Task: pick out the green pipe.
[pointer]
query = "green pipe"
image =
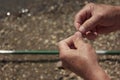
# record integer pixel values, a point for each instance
(112, 52)
(52, 52)
(42, 52)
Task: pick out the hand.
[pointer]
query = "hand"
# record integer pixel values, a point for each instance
(96, 19)
(80, 57)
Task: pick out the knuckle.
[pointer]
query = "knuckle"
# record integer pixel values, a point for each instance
(100, 15)
(91, 4)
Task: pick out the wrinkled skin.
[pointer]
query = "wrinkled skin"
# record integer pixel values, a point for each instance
(96, 19)
(80, 57)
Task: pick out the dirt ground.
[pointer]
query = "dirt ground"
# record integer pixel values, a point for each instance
(39, 25)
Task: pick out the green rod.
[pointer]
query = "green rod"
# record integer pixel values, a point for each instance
(43, 52)
(51, 52)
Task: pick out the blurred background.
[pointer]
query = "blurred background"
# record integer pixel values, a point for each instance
(39, 25)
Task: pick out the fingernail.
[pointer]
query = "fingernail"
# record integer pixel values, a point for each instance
(78, 34)
(82, 29)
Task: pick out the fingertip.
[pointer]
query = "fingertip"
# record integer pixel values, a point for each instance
(78, 34)
(82, 29)
(77, 39)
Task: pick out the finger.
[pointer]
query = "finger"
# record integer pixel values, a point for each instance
(91, 35)
(69, 40)
(89, 24)
(62, 46)
(65, 44)
(81, 16)
(78, 40)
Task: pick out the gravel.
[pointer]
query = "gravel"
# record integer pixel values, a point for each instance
(39, 25)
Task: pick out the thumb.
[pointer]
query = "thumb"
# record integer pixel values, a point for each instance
(78, 40)
(89, 24)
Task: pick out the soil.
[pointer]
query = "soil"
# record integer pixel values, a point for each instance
(39, 25)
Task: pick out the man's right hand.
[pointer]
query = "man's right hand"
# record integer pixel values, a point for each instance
(96, 19)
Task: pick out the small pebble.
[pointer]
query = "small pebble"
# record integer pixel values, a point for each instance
(8, 13)
(59, 65)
